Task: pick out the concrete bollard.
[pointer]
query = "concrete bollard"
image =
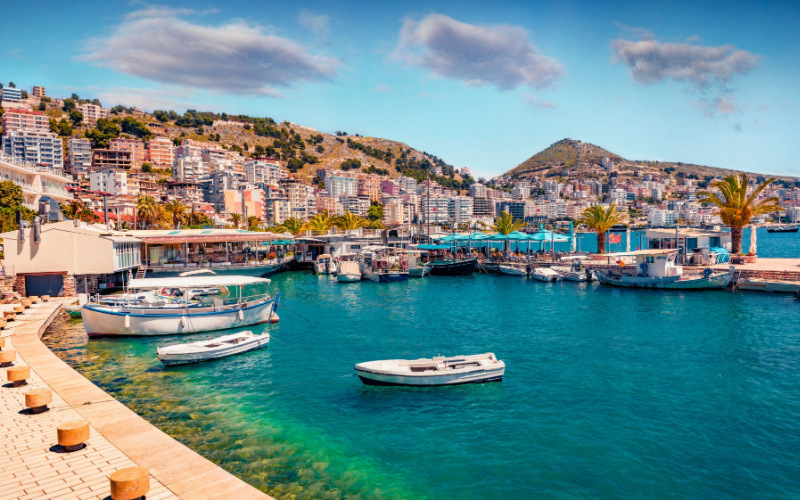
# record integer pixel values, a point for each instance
(129, 483)
(19, 308)
(9, 315)
(2, 344)
(45, 298)
(7, 357)
(3, 323)
(19, 375)
(38, 399)
(35, 299)
(72, 434)
(26, 303)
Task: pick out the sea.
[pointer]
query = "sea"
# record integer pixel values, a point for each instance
(608, 393)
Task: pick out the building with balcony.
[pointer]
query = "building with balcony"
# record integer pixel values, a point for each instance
(38, 91)
(435, 210)
(356, 205)
(113, 182)
(338, 186)
(263, 171)
(41, 148)
(369, 185)
(190, 169)
(160, 152)
(91, 112)
(134, 146)
(35, 181)
(79, 160)
(11, 94)
(185, 191)
(21, 119)
(111, 158)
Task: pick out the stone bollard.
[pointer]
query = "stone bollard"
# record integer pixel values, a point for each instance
(72, 434)
(130, 483)
(19, 375)
(35, 299)
(19, 308)
(7, 357)
(45, 298)
(3, 323)
(2, 344)
(26, 303)
(9, 315)
(38, 399)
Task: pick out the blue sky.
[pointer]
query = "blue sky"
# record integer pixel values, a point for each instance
(478, 84)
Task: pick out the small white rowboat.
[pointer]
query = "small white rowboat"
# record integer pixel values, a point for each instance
(205, 350)
(432, 372)
(545, 274)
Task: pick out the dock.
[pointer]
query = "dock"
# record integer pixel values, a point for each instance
(34, 465)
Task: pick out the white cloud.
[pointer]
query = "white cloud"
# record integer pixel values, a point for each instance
(148, 99)
(383, 89)
(539, 103)
(498, 55)
(316, 23)
(236, 57)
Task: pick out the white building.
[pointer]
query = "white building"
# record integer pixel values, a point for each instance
(190, 169)
(661, 218)
(520, 192)
(21, 119)
(477, 190)
(35, 181)
(41, 148)
(356, 205)
(114, 182)
(437, 210)
(341, 186)
(263, 172)
(407, 184)
(80, 156)
(459, 209)
(91, 112)
(11, 94)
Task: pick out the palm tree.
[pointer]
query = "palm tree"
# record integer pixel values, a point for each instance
(235, 219)
(176, 209)
(735, 207)
(253, 223)
(293, 226)
(349, 222)
(506, 224)
(320, 223)
(601, 220)
(147, 210)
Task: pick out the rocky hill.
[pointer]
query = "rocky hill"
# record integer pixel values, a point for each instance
(570, 157)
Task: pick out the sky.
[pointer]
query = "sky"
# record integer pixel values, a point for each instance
(479, 84)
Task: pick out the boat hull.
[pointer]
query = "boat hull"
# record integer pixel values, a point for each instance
(348, 278)
(459, 268)
(512, 271)
(197, 357)
(713, 282)
(102, 321)
(768, 285)
(792, 230)
(417, 272)
(471, 377)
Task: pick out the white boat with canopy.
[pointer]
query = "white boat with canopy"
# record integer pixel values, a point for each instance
(215, 348)
(433, 371)
(657, 268)
(214, 313)
(544, 274)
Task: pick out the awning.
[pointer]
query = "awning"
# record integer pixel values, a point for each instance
(210, 238)
(433, 247)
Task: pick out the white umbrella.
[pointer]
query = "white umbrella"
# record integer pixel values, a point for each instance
(753, 246)
(628, 239)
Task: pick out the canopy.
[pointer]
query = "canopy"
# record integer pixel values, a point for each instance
(194, 281)
(433, 247)
(449, 237)
(514, 236)
(546, 235)
(718, 250)
(473, 237)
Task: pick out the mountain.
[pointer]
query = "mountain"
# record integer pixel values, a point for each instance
(583, 159)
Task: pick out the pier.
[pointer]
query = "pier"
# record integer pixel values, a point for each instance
(34, 465)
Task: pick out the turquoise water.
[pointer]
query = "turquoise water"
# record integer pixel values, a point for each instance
(608, 392)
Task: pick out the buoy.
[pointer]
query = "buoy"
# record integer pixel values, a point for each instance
(273, 318)
(241, 315)
(127, 321)
(183, 321)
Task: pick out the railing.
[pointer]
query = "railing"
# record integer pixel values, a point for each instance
(32, 166)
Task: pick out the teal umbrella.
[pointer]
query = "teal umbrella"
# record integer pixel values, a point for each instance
(546, 235)
(449, 237)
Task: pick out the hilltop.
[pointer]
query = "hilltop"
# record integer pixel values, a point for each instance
(571, 157)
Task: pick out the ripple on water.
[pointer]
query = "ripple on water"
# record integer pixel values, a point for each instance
(608, 392)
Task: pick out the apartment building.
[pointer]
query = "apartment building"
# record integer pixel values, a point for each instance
(369, 185)
(435, 210)
(11, 94)
(107, 180)
(134, 146)
(483, 207)
(259, 171)
(459, 209)
(111, 158)
(390, 187)
(34, 181)
(300, 197)
(160, 152)
(21, 119)
(91, 112)
(357, 205)
(190, 169)
(323, 203)
(42, 148)
(407, 184)
(79, 160)
(339, 186)
(38, 91)
(661, 218)
(477, 190)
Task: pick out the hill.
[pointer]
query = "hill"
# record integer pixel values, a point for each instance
(572, 157)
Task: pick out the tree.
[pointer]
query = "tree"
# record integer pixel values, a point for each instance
(24, 94)
(506, 224)
(147, 210)
(96, 102)
(12, 85)
(10, 195)
(349, 222)
(320, 223)
(76, 117)
(235, 219)
(735, 207)
(253, 223)
(601, 220)
(293, 226)
(146, 167)
(69, 106)
(176, 209)
(131, 125)
(375, 215)
(104, 131)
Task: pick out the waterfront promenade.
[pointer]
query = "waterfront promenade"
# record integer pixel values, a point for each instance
(32, 466)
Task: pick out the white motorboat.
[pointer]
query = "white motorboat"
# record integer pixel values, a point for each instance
(348, 272)
(216, 348)
(137, 320)
(768, 285)
(324, 264)
(576, 272)
(511, 270)
(544, 274)
(383, 265)
(433, 371)
(656, 268)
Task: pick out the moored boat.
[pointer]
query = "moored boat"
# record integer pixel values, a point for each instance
(576, 272)
(512, 270)
(348, 272)
(764, 285)
(657, 269)
(215, 348)
(136, 320)
(432, 371)
(324, 264)
(544, 274)
(383, 265)
(453, 267)
(782, 229)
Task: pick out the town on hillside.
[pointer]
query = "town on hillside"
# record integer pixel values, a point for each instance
(97, 162)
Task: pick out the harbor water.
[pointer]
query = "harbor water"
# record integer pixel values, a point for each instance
(608, 392)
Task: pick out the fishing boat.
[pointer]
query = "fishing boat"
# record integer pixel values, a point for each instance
(415, 268)
(545, 274)
(657, 269)
(324, 264)
(348, 272)
(381, 264)
(782, 229)
(453, 267)
(432, 371)
(768, 285)
(510, 270)
(154, 319)
(575, 272)
(205, 350)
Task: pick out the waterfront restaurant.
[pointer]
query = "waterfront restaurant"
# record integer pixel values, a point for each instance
(224, 251)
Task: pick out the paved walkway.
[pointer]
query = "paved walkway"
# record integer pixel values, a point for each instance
(30, 465)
